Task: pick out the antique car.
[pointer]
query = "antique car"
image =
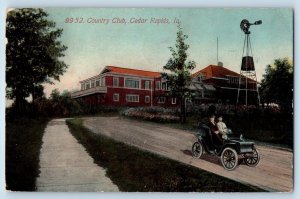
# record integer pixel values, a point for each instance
(233, 149)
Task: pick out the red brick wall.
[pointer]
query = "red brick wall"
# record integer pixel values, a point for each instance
(121, 81)
(122, 97)
(107, 98)
(108, 80)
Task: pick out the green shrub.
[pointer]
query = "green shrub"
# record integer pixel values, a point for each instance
(155, 114)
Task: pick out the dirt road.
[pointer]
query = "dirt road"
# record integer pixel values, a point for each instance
(273, 173)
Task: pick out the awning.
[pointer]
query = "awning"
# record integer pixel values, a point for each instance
(195, 86)
(209, 87)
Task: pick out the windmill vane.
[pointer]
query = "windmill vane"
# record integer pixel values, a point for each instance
(245, 25)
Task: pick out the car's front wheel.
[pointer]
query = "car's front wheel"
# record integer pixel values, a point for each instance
(229, 158)
(197, 150)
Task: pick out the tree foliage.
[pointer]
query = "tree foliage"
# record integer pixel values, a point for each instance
(33, 53)
(58, 105)
(179, 76)
(277, 84)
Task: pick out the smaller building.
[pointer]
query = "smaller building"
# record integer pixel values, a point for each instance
(226, 84)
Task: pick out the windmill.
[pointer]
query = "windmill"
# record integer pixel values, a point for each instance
(247, 78)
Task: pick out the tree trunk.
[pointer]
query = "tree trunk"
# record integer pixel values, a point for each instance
(20, 104)
(182, 110)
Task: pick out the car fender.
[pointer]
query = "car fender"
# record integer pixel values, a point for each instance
(230, 145)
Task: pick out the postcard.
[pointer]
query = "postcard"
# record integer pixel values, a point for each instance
(149, 99)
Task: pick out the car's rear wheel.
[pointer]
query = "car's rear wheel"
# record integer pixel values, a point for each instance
(253, 158)
(197, 150)
(229, 158)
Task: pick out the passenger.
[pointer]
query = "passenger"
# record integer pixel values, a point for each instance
(222, 128)
(214, 129)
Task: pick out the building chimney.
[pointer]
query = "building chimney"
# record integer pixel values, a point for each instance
(220, 64)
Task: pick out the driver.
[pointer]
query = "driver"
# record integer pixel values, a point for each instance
(214, 129)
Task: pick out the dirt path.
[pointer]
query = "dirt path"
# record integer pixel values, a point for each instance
(66, 166)
(273, 173)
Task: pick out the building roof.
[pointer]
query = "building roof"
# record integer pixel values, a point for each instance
(129, 71)
(215, 71)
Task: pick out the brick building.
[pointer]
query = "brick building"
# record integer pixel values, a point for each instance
(117, 86)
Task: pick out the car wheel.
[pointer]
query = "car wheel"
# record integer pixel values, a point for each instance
(197, 150)
(229, 158)
(252, 159)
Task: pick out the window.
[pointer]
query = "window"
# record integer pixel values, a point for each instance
(164, 86)
(97, 82)
(82, 86)
(132, 83)
(197, 101)
(102, 81)
(157, 85)
(116, 81)
(173, 100)
(93, 84)
(147, 99)
(116, 97)
(234, 80)
(147, 84)
(201, 78)
(132, 98)
(161, 100)
(87, 85)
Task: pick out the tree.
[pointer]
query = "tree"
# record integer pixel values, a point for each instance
(63, 105)
(55, 95)
(33, 54)
(179, 77)
(277, 84)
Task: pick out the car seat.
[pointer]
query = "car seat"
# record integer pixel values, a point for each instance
(207, 136)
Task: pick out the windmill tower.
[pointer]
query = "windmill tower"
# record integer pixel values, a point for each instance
(248, 88)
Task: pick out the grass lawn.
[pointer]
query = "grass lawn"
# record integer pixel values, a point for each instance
(23, 143)
(132, 169)
(100, 114)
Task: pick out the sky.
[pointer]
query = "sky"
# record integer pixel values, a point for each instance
(92, 46)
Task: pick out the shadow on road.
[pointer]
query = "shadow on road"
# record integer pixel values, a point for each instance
(187, 152)
(210, 158)
(206, 157)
